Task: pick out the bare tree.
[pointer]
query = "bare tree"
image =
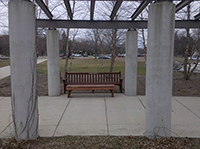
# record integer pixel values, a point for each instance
(113, 48)
(4, 45)
(101, 46)
(143, 39)
(72, 49)
(67, 50)
(74, 33)
(3, 17)
(187, 64)
(112, 36)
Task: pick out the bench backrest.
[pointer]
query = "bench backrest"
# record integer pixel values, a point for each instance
(93, 78)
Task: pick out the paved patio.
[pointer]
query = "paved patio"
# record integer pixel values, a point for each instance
(100, 114)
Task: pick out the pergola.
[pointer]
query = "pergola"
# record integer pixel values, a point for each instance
(110, 24)
(161, 23)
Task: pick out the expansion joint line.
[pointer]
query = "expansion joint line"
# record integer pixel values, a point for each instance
(186, 107)
(141, 102)
(6, 127)
(106, 116)
(61, 117)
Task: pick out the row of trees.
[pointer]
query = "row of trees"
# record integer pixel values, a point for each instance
(181, 41)
(92, 45)
(81, 44)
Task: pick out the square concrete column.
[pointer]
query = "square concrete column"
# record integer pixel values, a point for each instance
(53, 62)
(23, 64)
(131, 63)
(159, 72)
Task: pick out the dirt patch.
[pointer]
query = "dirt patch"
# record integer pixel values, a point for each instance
(181, 87)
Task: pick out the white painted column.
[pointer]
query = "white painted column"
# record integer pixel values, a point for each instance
(159, 72)
(131, 63)
(53, 62)
(23, 64)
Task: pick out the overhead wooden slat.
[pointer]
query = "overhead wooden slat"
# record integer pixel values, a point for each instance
(140, 9)
(182, 4)
(92, 5)
(69, 10)
(197, 17)
(115, 9)
(44, 8)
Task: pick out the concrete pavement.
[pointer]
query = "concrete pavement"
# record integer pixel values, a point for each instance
(100, 114)
(5, 71)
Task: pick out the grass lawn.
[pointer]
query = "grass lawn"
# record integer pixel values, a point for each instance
(4, 63)
(179, 59)
(42, 67)
(94, 65)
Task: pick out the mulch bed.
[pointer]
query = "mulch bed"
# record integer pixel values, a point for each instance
(102, 142)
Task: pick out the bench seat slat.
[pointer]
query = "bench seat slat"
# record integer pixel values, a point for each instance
(91, 86)
(110, 87)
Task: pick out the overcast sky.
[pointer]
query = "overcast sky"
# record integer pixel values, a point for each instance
(102, 11)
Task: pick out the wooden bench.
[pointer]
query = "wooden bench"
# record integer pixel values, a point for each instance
(92, 81)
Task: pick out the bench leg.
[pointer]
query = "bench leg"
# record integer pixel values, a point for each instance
(93, 91)
(69, 92)
(120, 88)
(64, 85)
(112, 92)
(64, 90)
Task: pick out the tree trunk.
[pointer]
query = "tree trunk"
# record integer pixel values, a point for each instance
(185, 63)
(95, 49)
(72, 50)
(113, 48)
(101, 46)
(67, 51)
(144, 45)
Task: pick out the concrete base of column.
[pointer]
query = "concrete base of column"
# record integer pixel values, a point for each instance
(131, 63)
(53, 63)
(159, 70)
(23, 64)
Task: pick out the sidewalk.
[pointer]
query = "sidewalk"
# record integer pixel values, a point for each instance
(5, 71)
(100, 114)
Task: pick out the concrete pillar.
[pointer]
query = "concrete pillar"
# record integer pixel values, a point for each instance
(53, 62)
(159, 70)
(131, 63)
(23, 64)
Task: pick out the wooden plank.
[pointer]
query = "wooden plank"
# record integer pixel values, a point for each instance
(90, 85)
(110, 87)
